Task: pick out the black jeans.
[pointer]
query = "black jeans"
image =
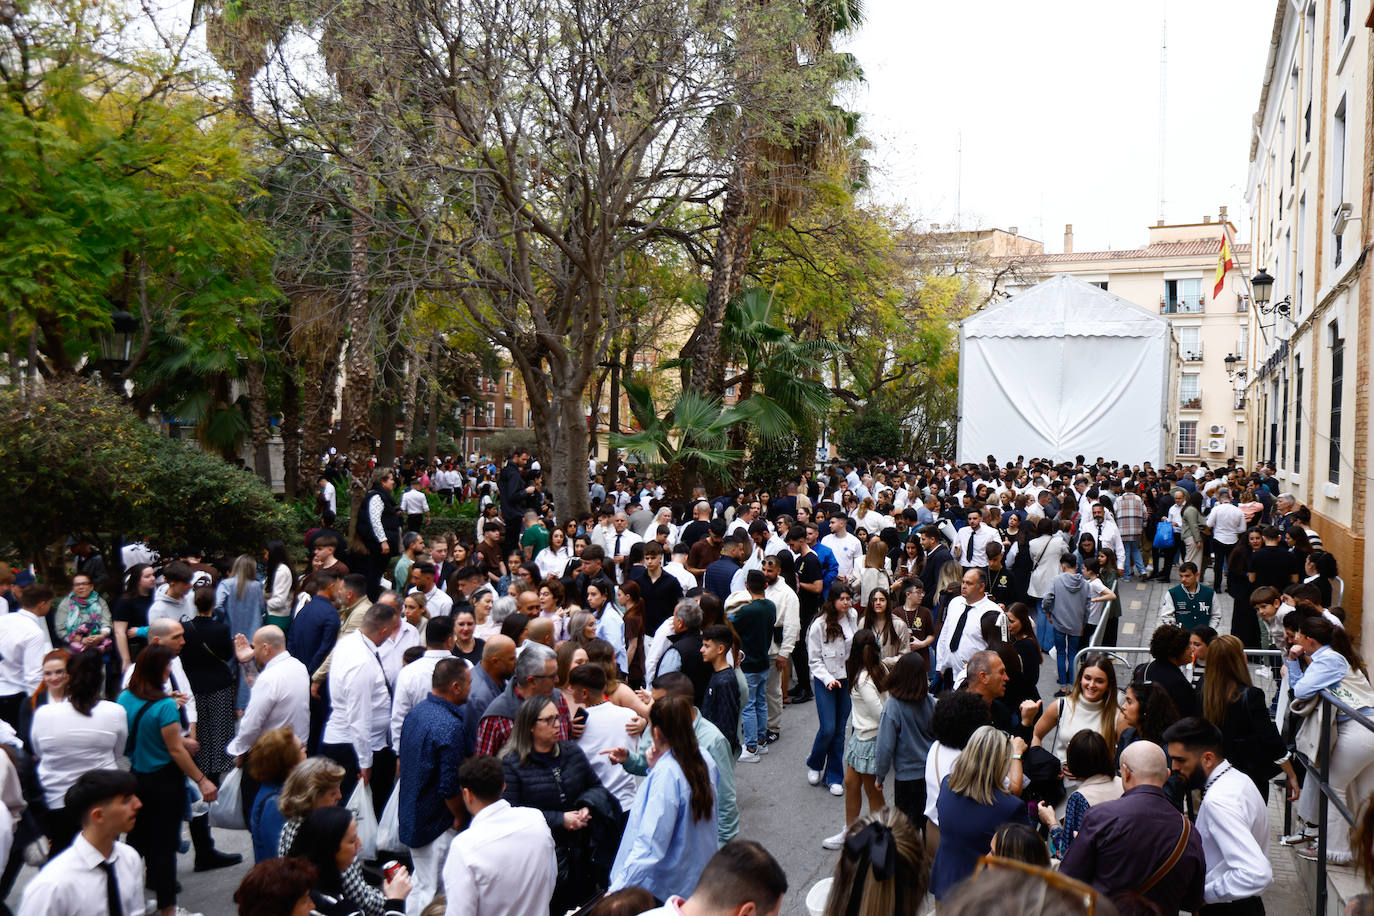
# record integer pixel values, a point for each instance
(909, 795)
(1250, 906)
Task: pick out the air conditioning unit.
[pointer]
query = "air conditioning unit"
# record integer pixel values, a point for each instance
(1216, 429)
(1216, 445)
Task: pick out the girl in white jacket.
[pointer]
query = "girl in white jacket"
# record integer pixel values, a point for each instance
(827, 651)
(867, 678)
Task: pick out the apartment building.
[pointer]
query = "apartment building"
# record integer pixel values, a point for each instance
(500, 404)
(1309, 191)
(1172, 275)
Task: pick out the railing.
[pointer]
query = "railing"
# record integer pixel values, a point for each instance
(1191, 355)
(1190, 403)
(1322, 776)
(1180, 306)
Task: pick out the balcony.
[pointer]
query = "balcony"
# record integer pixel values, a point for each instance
(1240, 400)
(1191, 353)
(1189, 306)
(1187, 403)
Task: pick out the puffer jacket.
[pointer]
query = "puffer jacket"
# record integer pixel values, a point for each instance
(550, 783)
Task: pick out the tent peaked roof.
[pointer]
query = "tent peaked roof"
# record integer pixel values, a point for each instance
(1064, 306)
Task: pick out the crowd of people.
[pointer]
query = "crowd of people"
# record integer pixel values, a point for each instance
(549, 718)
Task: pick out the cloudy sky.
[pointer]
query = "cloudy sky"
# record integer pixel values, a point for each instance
(1057, 106)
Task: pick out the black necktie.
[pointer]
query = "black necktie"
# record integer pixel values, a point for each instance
(112, 889)
(616, 552)
(181, 707)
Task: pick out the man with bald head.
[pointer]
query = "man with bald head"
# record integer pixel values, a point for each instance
(539, 631)
(280, 695)
(488, 680)
(1124, 846)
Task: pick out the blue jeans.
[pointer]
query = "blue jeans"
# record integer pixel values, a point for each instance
(1065, 648)
(1044, 630)
(754, 716)
(827, 751)
(1134, 561)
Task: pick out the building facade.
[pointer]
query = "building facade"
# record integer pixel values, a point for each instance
(1309, 193)
(1173, 276)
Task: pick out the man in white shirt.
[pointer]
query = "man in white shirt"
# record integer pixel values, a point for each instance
(1227, 522)
(414, 506)
(413, 683)
(971, 544)
(437, 602)
(24, 641)
(677, 568)
(97, 872)
(746, 516)
(780, 652)
(504, 863)
(327, 493)
(1104, 534)
(357, 733)
(1233, 820)
(393, 649)
(963, 620)
(619, 541)
(603, 730)
(280, 690)
(848, 549)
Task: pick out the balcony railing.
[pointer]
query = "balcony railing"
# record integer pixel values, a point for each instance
(1194, 403)
(1191, 354)
(1189, 306)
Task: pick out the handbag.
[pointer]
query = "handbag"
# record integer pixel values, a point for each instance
(227, 809)
(1164, 535)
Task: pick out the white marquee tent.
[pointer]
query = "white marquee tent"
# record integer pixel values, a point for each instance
(1063, 369)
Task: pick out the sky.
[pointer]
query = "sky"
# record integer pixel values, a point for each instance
(1056, 106)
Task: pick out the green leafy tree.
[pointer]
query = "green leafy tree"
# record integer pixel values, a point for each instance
(85, 463)
(873, 433)
(692, 431)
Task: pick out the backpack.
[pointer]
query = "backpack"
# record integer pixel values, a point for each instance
(1164, 534)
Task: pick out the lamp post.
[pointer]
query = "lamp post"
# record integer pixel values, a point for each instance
(117, 347)
(1263, 286)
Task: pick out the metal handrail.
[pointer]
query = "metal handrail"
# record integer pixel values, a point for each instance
(1322, 775)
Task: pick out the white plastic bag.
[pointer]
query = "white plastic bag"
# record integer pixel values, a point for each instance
(227, 809)
(389, 827)
(360, 803)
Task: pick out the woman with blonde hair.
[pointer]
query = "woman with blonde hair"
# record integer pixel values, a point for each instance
(1232, 703)
(874, 574)
(882, 869)
(972, 805)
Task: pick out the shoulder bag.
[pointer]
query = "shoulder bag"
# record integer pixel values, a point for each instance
(1170, 862)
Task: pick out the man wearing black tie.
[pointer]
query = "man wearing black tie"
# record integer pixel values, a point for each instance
(97, 875)
(1105, 534)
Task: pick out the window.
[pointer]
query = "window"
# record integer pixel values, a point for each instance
(1183, 296)
(491, 413)
(1338, 169)
(1190, 343)
(1243, 344)
(1187, 437)
(1283, 426)
(1100, 284)
(1333, 458)
(1189, 391)
(1343, 17)
(1297, 414)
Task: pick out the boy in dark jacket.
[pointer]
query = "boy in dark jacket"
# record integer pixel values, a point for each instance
(721, 707)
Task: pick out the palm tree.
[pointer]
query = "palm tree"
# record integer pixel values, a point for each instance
(693, 432)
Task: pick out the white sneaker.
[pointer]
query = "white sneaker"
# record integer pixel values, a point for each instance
(763, 748)
(836, 789)
(813, 776)
(834, 842)
(748, 756)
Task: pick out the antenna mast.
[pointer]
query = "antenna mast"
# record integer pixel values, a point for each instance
(1163, 99)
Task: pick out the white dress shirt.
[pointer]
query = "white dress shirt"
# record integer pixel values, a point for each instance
(413, 502)
(68, 744)
(1227, 522)
(393, 649)
(680, 573)
(1108, 535)
(413, 685)
(361, 704)
(955, 658)
(23, 643)
(280, 696)
(605, 730)
(789, 615)
(1234, 825)
(504, 864)
(74, 884)
(973, 545)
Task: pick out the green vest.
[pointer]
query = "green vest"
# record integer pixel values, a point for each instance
(1191, 611)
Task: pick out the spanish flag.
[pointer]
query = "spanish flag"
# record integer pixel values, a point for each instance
(1224, 263)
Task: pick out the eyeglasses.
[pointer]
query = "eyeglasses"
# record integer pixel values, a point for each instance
(548, 720)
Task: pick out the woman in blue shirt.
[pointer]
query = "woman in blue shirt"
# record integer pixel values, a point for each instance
(671, 834)
(161, 763)
(972, 805)
(272, 758)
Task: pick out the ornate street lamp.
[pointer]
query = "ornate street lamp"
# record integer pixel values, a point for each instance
(117, 344)
(1263, 286)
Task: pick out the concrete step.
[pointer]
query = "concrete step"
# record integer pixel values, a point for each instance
(1342, 884)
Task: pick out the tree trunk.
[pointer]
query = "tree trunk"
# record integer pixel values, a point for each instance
(703, 349)
(570, 465)
(361, 364)
(318, 413)
(291, 433)
(258, 427)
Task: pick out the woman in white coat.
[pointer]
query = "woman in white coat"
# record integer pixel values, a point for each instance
(1045, 550)
(828, 641)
